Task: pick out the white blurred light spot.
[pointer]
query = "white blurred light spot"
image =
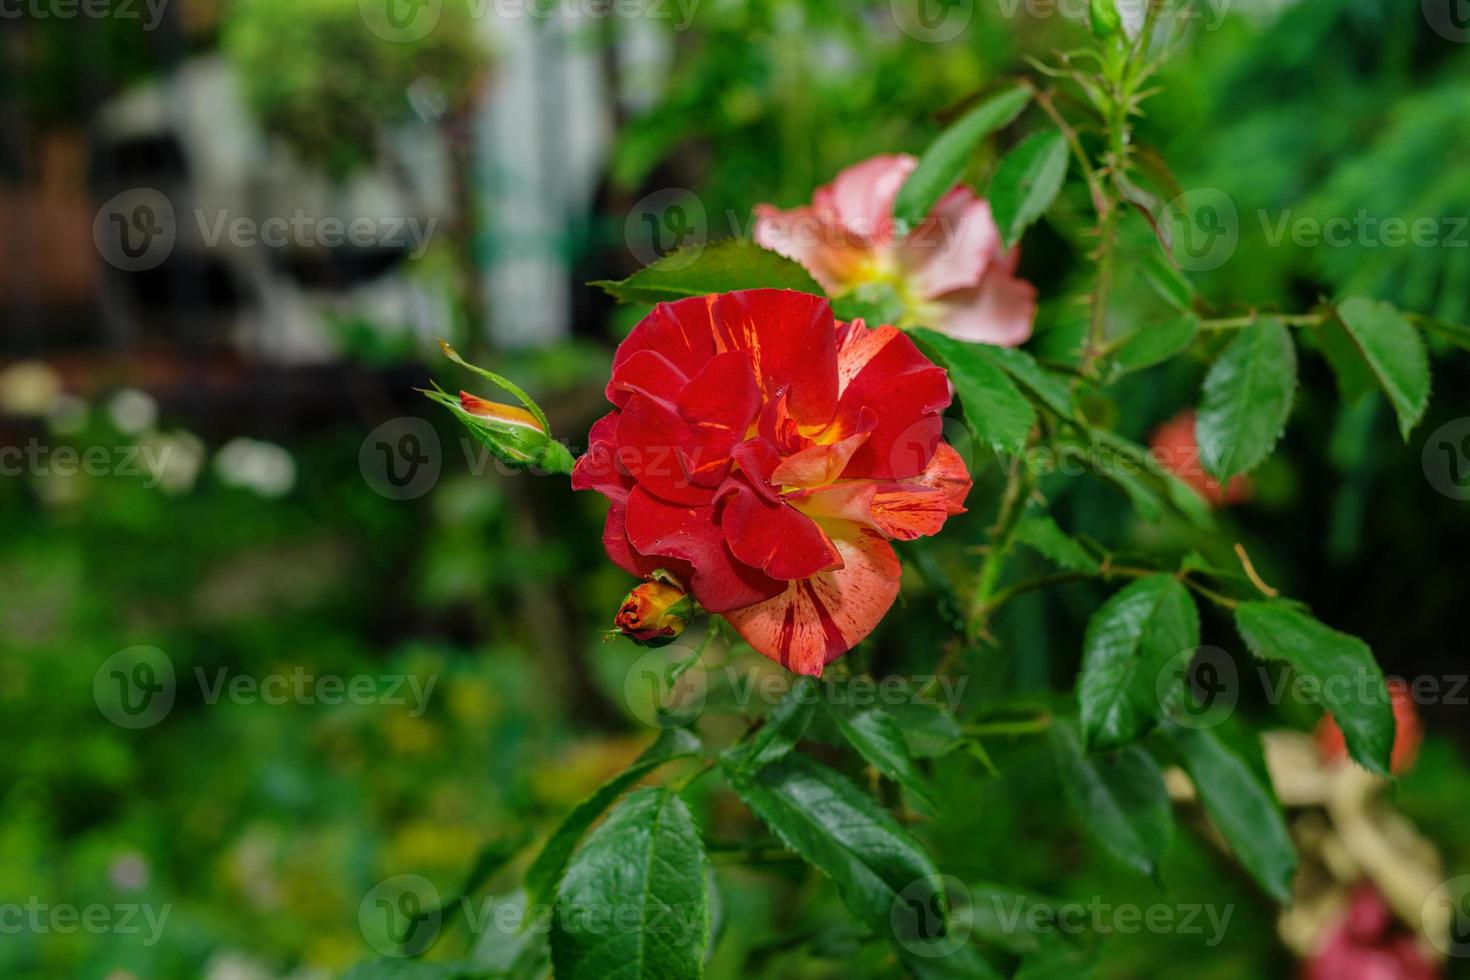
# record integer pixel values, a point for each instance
(133, 411)
(263, 467)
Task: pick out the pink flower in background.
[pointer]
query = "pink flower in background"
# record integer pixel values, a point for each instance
(1368, 944)
(951, 274)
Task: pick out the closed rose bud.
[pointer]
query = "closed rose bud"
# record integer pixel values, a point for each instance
(515, 436)
(655, 613)
(518, 435)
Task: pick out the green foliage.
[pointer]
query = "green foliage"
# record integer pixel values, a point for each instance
(1027, 183)
(1119, 798)
(634, 901)
(996, 411)
(878, 738)
(1345, 678)
(882, 873)
(551, 863)
(1041, 531)
(1246, 399)
(329, 87)
(1394, 352)
(697, 270)
(1153, 344)
(944, 162)
(1129, 643)
(1241, 805)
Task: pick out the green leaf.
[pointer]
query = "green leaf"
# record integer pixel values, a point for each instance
(1247, 398)
(996, 411)
(1136, 471)
(1168, 281)
(1129, 643)
(507, 953)
(1394, 352)
(1026, 183)
(883, 875)
(1047, 387)
(928, 731)
(1241, 806)
(1040, 532)
(1454, 334)
(645, 861)
(1120, 798)
(1345, 679)
(1355, 379)
(719, 267)
(546, 870)
(943, 163)
(1156, 343)
(782, 727)
(879, 740)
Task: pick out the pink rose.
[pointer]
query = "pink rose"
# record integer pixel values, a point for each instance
(952, 273)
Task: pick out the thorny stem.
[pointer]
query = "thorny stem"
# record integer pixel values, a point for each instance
(1046, 99)
(1105, 572)
(1001, 535)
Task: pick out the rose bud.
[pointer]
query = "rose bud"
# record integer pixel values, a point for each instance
(518, 436)
(655, 613)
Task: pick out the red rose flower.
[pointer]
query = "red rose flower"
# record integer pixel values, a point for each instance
(764, 454)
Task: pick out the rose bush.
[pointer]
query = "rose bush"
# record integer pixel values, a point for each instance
(765, 454)
(762, 453)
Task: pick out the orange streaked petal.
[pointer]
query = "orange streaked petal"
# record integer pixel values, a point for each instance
(509, 414)
(905, 509)
(818, 619)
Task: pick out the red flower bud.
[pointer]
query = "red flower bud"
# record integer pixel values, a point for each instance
(655, 613)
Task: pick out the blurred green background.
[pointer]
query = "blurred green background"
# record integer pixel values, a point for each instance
(269, 542)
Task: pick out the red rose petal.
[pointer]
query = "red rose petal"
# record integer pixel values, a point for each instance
(792, 344)
(718, 581)
(906, 391)
(815, 620)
